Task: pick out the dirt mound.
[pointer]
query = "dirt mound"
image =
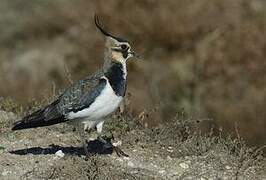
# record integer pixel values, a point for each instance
(161, 153)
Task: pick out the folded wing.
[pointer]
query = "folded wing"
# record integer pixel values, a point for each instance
(77, 97)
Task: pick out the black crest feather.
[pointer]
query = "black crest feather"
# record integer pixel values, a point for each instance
(100, 27)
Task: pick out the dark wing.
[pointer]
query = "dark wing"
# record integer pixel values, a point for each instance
(82, 94)
(43, 117)
(77, 97)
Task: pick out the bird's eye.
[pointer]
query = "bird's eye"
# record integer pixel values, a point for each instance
(123, 46)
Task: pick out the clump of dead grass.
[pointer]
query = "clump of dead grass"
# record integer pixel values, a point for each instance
(182, 136)
(201, 47)
(185, 139)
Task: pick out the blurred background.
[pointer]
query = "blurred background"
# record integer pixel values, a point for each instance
(206, 58)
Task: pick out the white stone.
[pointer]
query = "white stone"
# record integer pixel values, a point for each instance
(60, 154)
(162, 171)
(184, 165)
(126, 158)
(130, 164)
(227, 167)
(120, 160)
(170, 150)
(118, 143)
(5, 172)
(203, 178)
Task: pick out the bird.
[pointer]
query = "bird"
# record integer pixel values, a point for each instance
(87, 103)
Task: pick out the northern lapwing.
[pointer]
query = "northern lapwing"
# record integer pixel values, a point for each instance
(89, 101)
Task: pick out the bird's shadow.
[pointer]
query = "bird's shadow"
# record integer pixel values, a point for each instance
(94, 147)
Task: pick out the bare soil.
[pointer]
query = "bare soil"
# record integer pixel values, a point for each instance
(55, 153)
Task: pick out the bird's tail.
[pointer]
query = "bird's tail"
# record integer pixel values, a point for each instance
(31, 121)
(43, 117)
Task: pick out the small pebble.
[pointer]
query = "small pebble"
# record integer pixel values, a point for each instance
(60, 154)
(170, 150)
(118, 143)
(119, 159)
(126, 158)
(91, 139)
(130, 164)
(5, 172)
(227, 167)
(184, 165)
(162, 171)
(203, 178)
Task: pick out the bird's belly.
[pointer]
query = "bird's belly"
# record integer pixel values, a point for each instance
(106, 103)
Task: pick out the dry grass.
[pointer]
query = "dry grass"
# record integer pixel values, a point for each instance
(205, 56)
(180, 140)
(183, 138)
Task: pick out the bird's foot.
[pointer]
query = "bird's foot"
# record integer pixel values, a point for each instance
(107, 144)
(87, 154)
(119, 152)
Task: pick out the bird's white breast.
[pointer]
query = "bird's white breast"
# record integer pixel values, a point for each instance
(106, 103)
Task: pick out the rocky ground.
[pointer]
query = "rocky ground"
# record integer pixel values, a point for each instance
(167, 152)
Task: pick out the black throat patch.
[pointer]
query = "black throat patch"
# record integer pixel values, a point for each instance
(115, 75)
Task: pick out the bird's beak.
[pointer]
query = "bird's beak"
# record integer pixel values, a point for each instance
(133, 54)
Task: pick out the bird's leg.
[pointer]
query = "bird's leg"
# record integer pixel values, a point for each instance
(99, 128)
(108, 144)
(83, 139)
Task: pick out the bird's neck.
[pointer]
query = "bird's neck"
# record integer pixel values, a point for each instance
(116, 74)
(112, 58)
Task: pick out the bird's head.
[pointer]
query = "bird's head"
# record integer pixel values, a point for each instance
(119, 49)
